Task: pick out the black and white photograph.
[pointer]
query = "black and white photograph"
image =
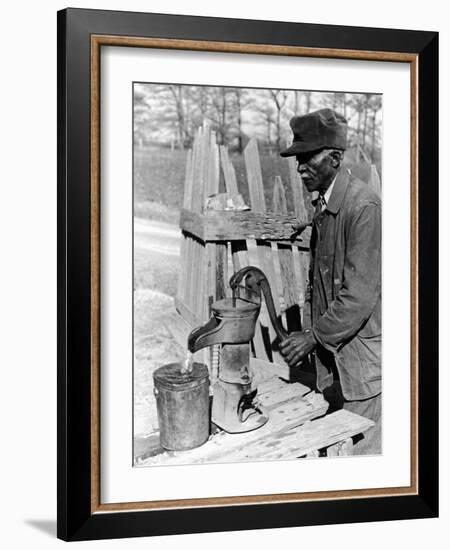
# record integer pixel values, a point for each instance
(257, 295)
(224, 287)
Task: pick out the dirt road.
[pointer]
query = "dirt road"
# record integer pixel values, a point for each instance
(156, 236)
(156, 267)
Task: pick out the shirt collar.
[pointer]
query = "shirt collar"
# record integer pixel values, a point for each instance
(327, 193)
(339, 185)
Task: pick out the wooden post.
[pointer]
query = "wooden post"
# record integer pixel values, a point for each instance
(228, 172)
(301, 259)
(210, 248)
(254, 176)
(285, 256)
(297, 191)
(221, 270)
(264, 250)
(279, 196)
(239, 251)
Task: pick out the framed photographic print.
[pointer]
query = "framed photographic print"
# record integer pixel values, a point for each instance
(247, 256)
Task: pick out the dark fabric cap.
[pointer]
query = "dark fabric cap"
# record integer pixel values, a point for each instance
(317, 130)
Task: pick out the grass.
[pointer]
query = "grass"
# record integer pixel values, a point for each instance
(156, 272)
(159, 180)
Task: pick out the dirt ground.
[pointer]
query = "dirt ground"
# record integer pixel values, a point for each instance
(154, 346)
(156, 268)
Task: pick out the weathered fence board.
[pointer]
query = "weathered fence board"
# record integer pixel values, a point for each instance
(286, 259)
(228, 172)
(254, 176)
(297, 191)
(214, 225)
(265, 258)
(212, 236)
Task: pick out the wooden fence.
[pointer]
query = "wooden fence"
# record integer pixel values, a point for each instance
(219, 238)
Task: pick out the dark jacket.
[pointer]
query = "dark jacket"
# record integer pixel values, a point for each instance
(345, 288)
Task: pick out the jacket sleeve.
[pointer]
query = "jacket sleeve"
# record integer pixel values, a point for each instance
(361, 281)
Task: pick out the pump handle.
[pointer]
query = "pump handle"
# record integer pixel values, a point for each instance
(255, 280)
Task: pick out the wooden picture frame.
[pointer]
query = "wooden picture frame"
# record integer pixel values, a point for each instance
(81, 35)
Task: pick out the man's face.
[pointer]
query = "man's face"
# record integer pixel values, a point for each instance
(317, 170)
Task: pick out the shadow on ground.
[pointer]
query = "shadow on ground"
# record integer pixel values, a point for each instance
(46, 526)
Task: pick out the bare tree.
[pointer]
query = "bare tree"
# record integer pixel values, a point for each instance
(172, 113)
(367, 99)
(221, 112)
(343, 103)
(308, 101)
(376, 107)
(296, 102)
(279, 98)
(177, 95)
(242, 102)
(267, 116)
(169, 112)
(142, 112)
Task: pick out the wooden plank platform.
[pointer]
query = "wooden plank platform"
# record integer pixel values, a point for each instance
(297, 427)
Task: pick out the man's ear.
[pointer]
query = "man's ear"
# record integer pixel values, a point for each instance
(336, 158)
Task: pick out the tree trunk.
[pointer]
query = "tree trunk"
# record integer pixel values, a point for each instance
(239, 121)
(358, 128)
(177, 93)
(308, 101)
(344, 106)
(366, 108)
(296, 103)
(374, 119)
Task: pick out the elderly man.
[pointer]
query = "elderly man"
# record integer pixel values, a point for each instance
(343, 326)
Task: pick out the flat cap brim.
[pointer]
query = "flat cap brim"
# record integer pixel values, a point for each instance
(297, 148)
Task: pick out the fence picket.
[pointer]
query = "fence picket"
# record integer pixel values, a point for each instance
(298, 197)
(286, 259)
(263, 248)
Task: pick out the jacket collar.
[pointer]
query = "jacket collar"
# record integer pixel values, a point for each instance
(339, 189)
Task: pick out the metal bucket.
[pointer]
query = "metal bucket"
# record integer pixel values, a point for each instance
(182, 401)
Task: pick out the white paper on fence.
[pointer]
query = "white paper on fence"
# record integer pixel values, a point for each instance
(120, 482)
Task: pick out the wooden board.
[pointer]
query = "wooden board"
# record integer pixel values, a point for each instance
(254, 176)
(209, 263)
(287, 270)
(214, 225)
(288, 405)
(222, 286)
(262, 369)
(228, 172)
(266, 264)
(291, 298)
(187, 314)
(296, 442)
(297, 191)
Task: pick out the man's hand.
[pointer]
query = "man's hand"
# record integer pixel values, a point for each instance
(296, 346)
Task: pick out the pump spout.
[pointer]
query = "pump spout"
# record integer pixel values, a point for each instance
(233, 322)
(205, 335)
